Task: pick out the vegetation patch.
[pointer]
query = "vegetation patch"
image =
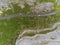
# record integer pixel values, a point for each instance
(12, 27)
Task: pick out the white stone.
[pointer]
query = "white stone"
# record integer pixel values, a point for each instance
(53, 43)
(51, 38)
(21, 5)
(1, 13)
(43, 7)
(30, 2)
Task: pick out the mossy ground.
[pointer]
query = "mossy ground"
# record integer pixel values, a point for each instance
(10, 28)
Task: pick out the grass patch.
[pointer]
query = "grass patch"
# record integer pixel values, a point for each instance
(12, 27)
(29, 34)
(47, 31)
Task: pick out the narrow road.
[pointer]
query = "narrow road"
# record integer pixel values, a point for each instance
(24, 15)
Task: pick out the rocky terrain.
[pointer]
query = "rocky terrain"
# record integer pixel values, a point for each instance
(33, 6)
(43, 7)
(10, 28)
(51, 38)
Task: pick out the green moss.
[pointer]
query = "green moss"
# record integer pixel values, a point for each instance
(47, 31)
(12, 27)
(29, 34)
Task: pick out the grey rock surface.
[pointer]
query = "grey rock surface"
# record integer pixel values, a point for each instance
(43, 7)
(51, 38)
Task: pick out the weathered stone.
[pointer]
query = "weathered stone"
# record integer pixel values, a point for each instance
(43, 7)
(51, 38)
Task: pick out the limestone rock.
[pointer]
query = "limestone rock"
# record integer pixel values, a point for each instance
(51, 38)
(43, 7)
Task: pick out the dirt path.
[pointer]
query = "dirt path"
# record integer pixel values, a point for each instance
(24, 15)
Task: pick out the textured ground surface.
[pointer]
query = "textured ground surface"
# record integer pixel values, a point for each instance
(51, 38)
(11, 28)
